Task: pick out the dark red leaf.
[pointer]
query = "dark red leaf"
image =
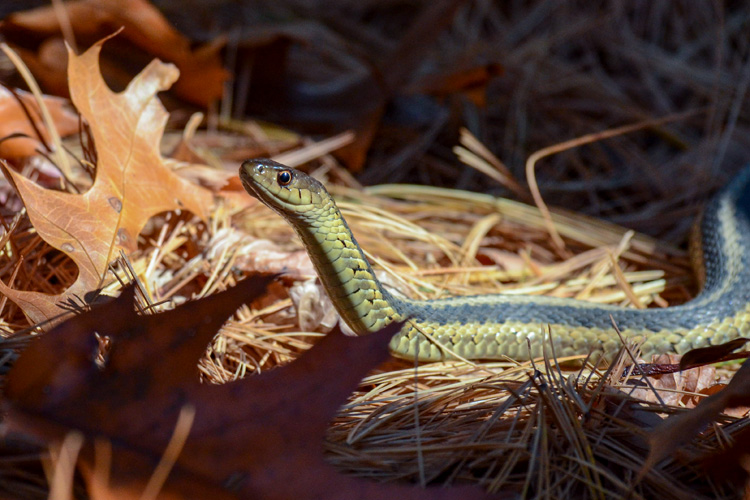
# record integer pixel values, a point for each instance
(259, 438)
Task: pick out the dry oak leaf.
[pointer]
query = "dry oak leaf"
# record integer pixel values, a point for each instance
(261, 437)
(202, 73)
(13, 120)
(132, 182)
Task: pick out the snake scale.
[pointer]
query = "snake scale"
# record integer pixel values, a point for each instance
(517, 327)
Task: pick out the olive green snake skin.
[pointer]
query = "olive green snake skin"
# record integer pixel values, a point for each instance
(517, 327)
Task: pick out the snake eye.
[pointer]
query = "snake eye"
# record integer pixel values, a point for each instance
(284, 177)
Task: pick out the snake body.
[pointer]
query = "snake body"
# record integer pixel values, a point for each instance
(518, 327)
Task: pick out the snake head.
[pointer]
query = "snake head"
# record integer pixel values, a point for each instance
(283, 189)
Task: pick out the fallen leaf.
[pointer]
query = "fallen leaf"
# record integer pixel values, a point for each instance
(13, 120)
(261, 437)
(132, 183)
(470, 81)
(680, 428)
(202, 75)
(669, 388)
(711, 354)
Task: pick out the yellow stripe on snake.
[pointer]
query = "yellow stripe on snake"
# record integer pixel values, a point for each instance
(518, 327)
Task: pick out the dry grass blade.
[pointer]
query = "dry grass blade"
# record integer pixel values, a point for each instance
(476, 155)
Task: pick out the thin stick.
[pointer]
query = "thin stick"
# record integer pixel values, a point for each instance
(580, 141)
(61, 12)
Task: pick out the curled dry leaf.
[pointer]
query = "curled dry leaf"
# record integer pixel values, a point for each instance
(13, 120)
(259, 255)
(315, 311)
(132, 182)
(259, 438)
(711, 354)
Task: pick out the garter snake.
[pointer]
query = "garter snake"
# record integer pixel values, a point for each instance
(518, 327)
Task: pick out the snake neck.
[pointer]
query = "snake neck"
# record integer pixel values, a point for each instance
(343, 268)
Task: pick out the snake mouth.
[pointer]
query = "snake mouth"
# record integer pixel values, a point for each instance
(254, 189)
(259, 178)
(252, 175)
(248, 185)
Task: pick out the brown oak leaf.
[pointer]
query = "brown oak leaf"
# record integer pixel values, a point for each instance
(132, 182)
(260, 438)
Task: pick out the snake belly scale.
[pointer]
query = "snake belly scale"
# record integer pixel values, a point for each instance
(518, 327)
